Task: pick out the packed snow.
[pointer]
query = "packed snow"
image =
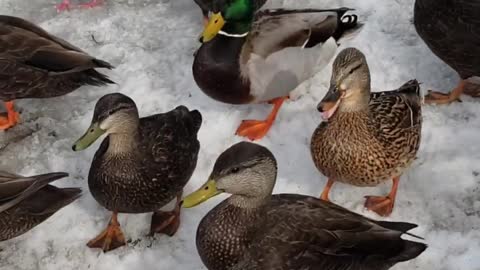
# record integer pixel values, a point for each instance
(151, 43)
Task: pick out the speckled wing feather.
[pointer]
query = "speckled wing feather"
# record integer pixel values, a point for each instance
(451, 29)
(306, 233)
(397, 112)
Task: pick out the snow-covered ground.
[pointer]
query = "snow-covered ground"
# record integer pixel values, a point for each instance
(151, 43)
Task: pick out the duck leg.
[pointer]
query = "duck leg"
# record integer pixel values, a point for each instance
(326, 190)
(12, 117)
(65, 5)
(434, 97)
(257, 129)
(167, 222)
(383, 205)
(111, 238)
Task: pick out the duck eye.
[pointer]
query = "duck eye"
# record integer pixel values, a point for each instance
(235, 170)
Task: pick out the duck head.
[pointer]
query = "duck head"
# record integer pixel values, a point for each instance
(245, 170)
(232, 17)
(114, 114)
(349, 86)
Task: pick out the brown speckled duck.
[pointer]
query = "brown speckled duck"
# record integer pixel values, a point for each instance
(141, 165)
(254, 57)
(451, 29)
(36, 64)
(255, 230)
(26, 202)
(368, 138)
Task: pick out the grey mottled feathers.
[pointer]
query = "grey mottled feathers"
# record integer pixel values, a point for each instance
(306, 233)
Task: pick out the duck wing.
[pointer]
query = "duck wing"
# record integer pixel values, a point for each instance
(306, 233)
(286, 47)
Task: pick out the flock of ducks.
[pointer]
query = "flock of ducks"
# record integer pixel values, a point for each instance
(247, 55)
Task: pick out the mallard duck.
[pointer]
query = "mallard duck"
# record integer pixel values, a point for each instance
(142, 165)
(65, 5)
(451, 29)
(253, 229)
(216, 5)
(368, 137)
(249, 57)
(36, 64)
(26, 202)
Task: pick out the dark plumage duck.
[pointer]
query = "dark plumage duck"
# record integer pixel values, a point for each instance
(253, 57)
(451, 29)
(36, 64)
(368, 137)
(216, 5)
(26, 202)
(142, 165)
(253, 229)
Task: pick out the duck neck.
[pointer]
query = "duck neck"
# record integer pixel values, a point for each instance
(356, 103)
(122, 143)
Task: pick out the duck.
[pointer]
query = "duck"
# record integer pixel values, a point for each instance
(36, 64)
(451, 30)
(253, 229)
(26, 202)
(366, 138)
(208, 6)
(254, 57)
(141, 165)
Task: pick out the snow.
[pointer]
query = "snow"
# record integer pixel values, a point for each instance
(151, 43)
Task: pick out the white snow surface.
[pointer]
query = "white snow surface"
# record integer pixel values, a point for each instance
(151, 43)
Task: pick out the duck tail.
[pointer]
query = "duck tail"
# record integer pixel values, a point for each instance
(96, 78)
(348, 25)
(193, 118)
(410, 251)
(197, 119)
(411, 87)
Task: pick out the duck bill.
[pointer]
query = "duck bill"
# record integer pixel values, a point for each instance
(207, 191)
(92, 134)
(214, 25)
(329, 104)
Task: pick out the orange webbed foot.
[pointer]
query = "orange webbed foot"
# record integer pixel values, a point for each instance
(111, 238)
(11, 119)
(381, 205)
(165, 223)
(254, 129)
(434, 97)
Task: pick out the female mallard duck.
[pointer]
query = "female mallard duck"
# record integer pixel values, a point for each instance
(26, 202)
(369, 137)
(142, 165)
(263, 56)
(254, 229)
(216, 5)
(35, 64)
(451, 29)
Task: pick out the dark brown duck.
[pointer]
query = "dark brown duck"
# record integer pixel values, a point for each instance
(26, 202)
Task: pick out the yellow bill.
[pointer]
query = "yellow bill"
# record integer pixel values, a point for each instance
(92, 134)
(207, 191)
(214, 25)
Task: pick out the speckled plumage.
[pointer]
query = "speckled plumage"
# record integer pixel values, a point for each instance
(451, 29)
(26, 202)
(35, 64)
(289, 231)
(159, 158)
(369, 147)
(374, 136)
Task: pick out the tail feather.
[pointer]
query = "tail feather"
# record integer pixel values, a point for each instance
(348, 25)
(197, 119)
(411, 250)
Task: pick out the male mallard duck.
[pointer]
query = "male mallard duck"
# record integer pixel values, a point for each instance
(369, 137)
(249, 57)
(35, 64)
(26, 202)
(451, 29)
(216, 5)
(65, 5)
(254, 230)
(142, 165)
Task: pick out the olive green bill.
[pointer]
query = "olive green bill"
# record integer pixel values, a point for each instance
(207, 191)
(92, 134)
